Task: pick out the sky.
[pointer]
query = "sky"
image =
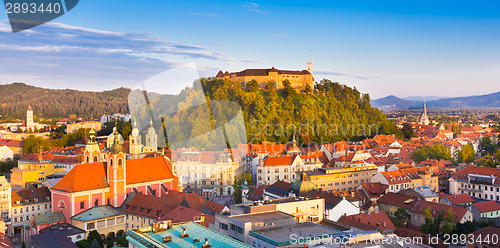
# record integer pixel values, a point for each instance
(424, 48)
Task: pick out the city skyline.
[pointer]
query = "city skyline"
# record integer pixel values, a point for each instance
(381, 49)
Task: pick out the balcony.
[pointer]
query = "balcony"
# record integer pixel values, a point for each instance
(470, 189)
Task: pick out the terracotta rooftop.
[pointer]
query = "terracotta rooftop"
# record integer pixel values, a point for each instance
(485, 236)
(93, 176)
(375, 219)
(398, 200)
(436, 208)
(487, 206)
(459, 199)
(30, 196)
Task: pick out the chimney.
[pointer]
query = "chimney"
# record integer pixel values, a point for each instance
(384, 224)
(352, 193)
(202, 219)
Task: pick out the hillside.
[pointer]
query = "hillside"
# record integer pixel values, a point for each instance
(392, 102)
(337, 112)
(49, 103)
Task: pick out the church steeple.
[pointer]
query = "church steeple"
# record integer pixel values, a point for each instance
(92, 151)
(425, 119)
(135, 144)
(151, 139)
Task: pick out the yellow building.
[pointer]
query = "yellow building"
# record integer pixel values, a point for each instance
(298, 79)
(73, 127)
(31, 173)
(342, 178)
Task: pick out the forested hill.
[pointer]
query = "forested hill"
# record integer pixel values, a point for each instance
(334, 112)
(49, 103)
(344, 111)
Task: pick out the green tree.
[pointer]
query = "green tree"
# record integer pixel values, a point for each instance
(402, 217)
(466, 154)
(237, 194)
(437, 151)
(497, 156)
(407, 131)
(23, 245)
(33, 144)
(488, 146)
(440, 224)
(95, 244)
(253, 86)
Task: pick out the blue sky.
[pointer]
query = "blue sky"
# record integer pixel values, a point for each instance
(440, 48)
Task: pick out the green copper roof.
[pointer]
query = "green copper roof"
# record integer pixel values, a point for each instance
(195, 231)
(49, 218)
(97, 213)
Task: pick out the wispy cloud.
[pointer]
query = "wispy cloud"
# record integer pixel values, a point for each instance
(255, 7)
(205, 14)
(343, 74)
(95, 59)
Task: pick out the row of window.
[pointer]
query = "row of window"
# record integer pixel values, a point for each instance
(47, 206)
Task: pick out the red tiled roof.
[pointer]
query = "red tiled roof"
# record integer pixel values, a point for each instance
(375, 189)
(277, 161)
(484, 236)
(330, 198)
(485, 171)
(459, 199)
(487, 206)
(183, 214)
(398, 200)
(256, 194)
(436, 208)
(24, 196)
(396, 177)
(11, 143)
(374, 219)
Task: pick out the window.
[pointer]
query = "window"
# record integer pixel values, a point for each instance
(21, 219)
(95, 159)
(15, 211)
(38, 207)
(90, 225)
(15, 220)
(96, 203)
(27, 209)
(82, 205)
(120, 162)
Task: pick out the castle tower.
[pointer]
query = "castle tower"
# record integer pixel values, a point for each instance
(116, 172)
(92, 152)
(309, 65)
(135, 142)
(151, 139)
(425, 119)
(29, 119)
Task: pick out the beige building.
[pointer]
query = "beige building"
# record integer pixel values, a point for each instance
(297, 79)
(5, 200)
(73, 127)
(286, 168)
(333, 179)
(213, 171)
(27, 203)
(105, 220)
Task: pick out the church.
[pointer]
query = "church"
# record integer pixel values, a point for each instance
(106, 176)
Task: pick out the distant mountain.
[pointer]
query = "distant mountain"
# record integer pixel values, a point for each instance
(392, 103)
(421, 98)
(480, 101)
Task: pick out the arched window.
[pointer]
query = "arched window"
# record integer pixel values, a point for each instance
(95, 159)
(88, 159)
(111, 162)
(120, 162)
(79, 236)
(61, 205)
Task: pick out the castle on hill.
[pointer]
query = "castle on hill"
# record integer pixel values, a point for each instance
(298, 79)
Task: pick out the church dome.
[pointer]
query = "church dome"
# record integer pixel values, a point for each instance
(111, 137)
(302, 187)
(117, 142)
